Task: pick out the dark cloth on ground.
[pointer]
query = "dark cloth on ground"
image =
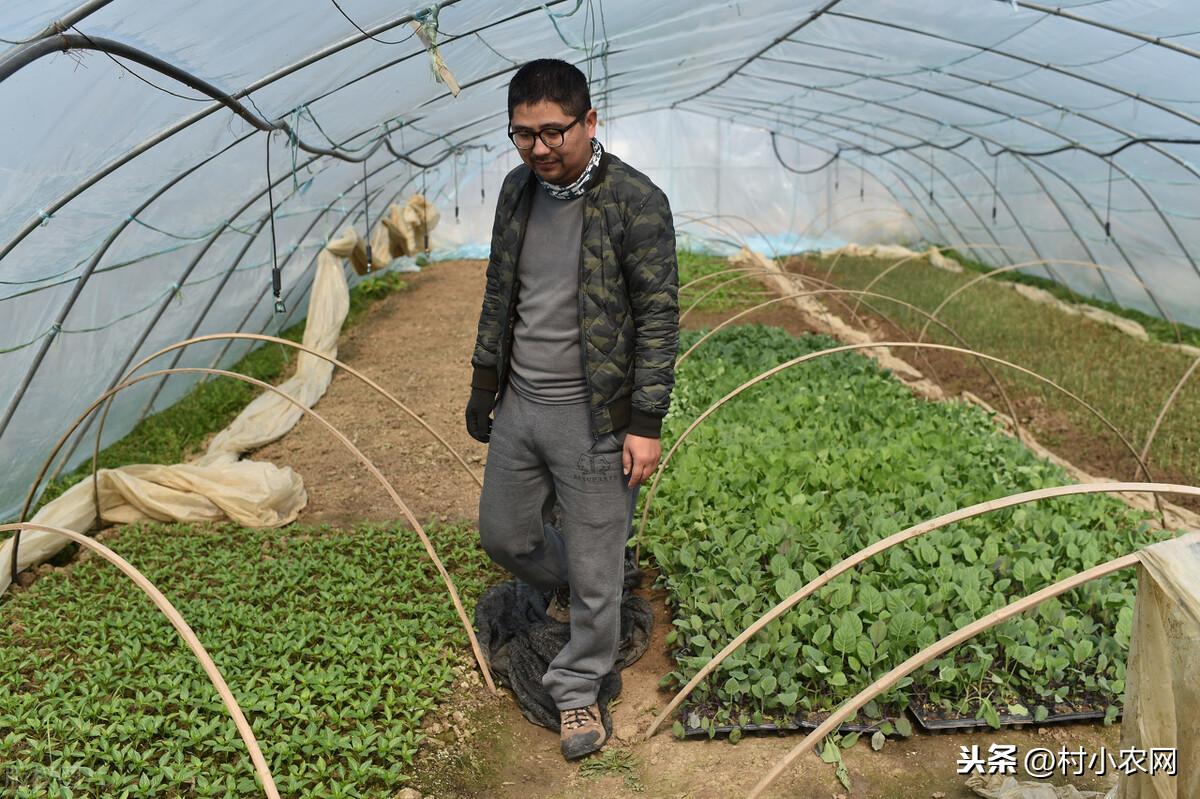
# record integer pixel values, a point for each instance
(519, 642)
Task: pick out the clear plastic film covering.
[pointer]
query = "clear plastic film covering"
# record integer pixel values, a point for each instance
(134, 208)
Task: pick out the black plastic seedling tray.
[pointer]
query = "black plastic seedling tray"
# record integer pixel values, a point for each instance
(797, 724)
(929, 723)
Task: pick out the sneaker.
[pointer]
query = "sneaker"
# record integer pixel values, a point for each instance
(581, 731)
(559, 608)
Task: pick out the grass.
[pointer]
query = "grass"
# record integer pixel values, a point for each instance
(615, 762)
(335, 643)
(1126, 379)
(1158, 329)
(175, 434)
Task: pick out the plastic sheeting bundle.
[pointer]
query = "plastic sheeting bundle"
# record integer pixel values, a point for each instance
(1162, 693)
(400, 232)
(1162, 696)
(217, 485)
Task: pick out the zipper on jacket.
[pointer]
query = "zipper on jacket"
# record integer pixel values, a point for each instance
(512, 291)
(582, 338)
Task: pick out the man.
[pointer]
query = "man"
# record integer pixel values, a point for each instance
(575, 353)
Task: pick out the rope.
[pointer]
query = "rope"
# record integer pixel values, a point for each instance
(1108, 204)
(363, 32)
(367, 213)
(276, 277)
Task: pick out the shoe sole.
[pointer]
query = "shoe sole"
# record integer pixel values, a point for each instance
(593, 748)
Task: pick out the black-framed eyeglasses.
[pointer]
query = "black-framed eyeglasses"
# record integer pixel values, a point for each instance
(551, 137)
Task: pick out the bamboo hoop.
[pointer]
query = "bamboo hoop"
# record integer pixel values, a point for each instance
(885, 544)
(1166, 407)
(847, 348)
(917, 256)
(927, 654)
(800, 279)
(1041, 261)
(1003, 394)
(754, 271)
(703, 219)
(185, 632)
(287, 343)
(30, 496)
(374, 470)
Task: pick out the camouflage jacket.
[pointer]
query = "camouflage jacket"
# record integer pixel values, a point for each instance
(628, 296)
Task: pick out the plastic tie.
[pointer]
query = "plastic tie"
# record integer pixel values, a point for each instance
(45, 217)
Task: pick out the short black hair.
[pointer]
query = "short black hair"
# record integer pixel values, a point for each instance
(550, 79)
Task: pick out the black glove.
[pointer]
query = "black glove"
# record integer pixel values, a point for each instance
(479, 422)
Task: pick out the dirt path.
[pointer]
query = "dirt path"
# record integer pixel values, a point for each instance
(418, 344)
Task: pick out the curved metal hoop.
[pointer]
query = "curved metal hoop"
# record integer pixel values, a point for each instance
(885, 544)
(930, 652)
(1004, 395)
(847, 348)
(1166, 407)
(185, 632)
(391, 491)
(1046, 261)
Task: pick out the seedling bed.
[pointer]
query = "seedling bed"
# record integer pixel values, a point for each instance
(753, 510)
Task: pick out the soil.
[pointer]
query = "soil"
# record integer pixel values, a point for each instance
(418, 344)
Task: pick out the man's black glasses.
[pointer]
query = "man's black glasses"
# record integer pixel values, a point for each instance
(551, 137)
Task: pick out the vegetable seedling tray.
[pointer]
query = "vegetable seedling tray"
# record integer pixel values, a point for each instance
(932, 723)
(798, 722)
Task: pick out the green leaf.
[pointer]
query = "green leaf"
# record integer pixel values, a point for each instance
(843, 775)
(903, 726)
(735, 735)
(878, 740)
(844, 640)
(841, 596)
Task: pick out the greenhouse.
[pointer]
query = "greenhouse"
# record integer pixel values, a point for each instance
(859, 453)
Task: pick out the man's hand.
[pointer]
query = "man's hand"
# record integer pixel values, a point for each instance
(639, 459)
(479, 423)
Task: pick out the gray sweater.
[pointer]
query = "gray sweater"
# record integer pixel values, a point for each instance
(547, 363)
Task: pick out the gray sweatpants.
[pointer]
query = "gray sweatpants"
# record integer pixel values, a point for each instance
(539, 453)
